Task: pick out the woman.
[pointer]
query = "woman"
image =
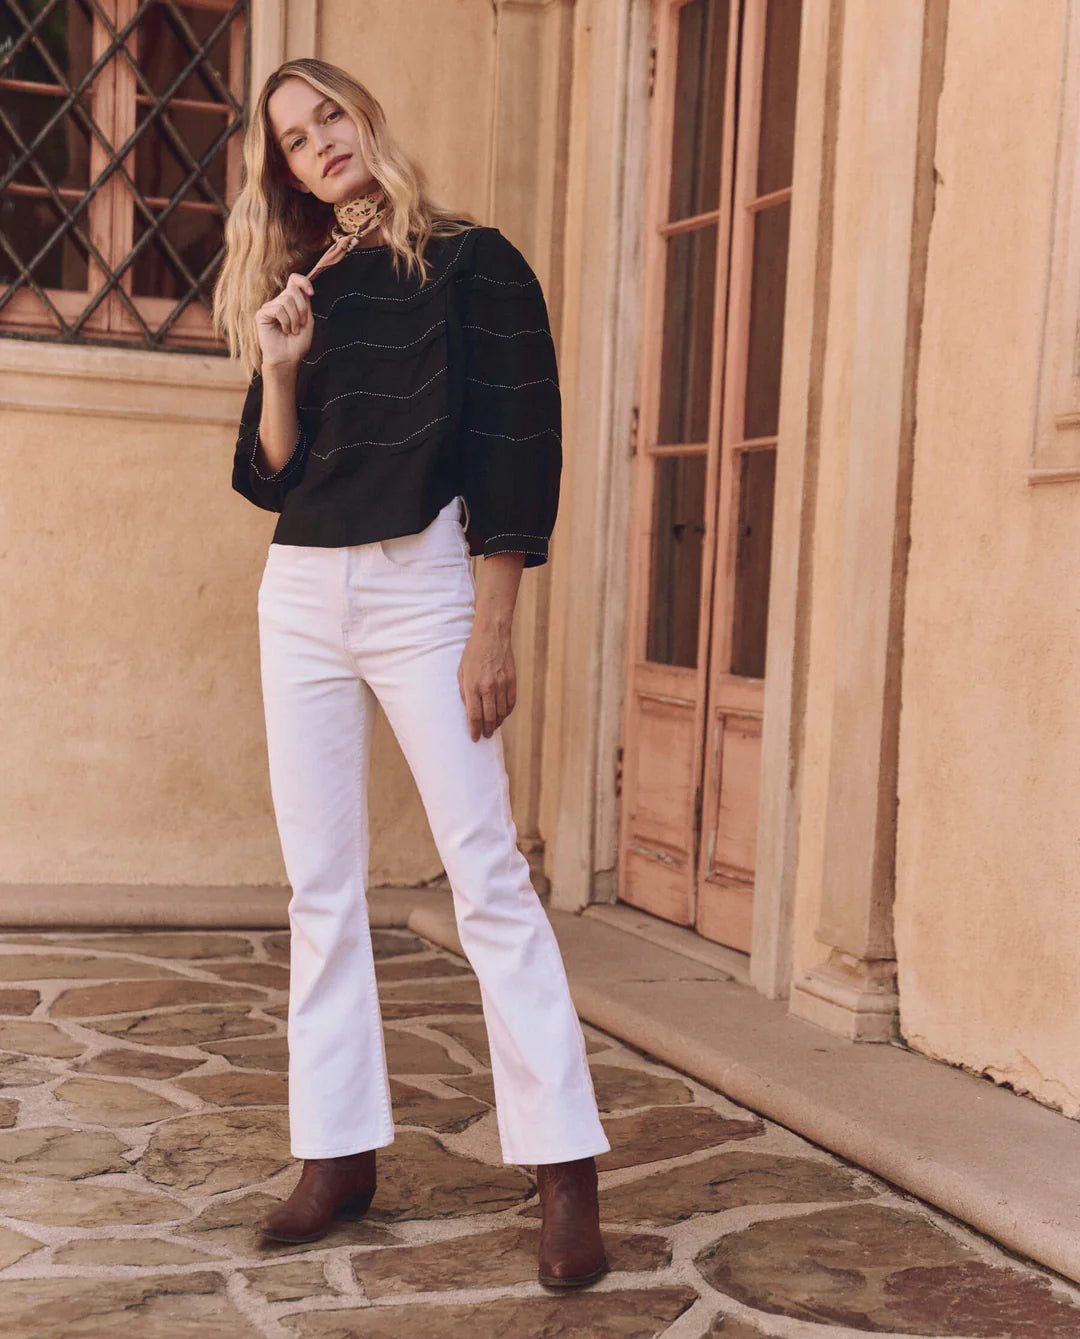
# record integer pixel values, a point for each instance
(408, 376)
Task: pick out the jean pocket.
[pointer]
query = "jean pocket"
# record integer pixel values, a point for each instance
(440, 545)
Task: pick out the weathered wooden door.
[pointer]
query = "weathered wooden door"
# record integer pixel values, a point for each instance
(718, 205)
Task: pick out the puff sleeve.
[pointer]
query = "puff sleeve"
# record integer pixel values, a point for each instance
(511, 437)
(265, 490)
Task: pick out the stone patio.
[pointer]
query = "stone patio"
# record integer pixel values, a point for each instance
(143, 1131)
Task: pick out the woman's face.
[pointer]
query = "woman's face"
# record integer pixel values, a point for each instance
(314, 133)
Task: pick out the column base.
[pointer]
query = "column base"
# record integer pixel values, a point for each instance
(849, 997)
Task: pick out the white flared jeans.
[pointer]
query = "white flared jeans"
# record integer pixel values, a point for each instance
(339, 630)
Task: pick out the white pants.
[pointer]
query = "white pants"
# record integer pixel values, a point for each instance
(340, 628)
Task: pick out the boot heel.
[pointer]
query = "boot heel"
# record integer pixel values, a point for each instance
(356, 1206)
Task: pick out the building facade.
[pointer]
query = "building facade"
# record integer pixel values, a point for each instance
(800, 674)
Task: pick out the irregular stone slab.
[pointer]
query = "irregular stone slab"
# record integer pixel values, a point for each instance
(100, 1102)
(152, 943)
(185, 1028)
(33, 1038)
(394, 1008)
(266, 974)
(449, 991)
(979, 1300)
(254, 1053)
(407, 1054)
(472, 1034)
(727, 1327)
(419, 1178)
(289, 1282)
(480, 1086)
(239, 1089)
(669, 1132)
(396, 943)
(56, 1203)
(132, 1064)
(126, 997)
(15, 1072)
(217, 1150)
(636, 1313)
(488, 1260)
(233, 1225)
(54, 1150)
(14, 1245)
(618, 1088)
(18, 1003)
(447, 1115)
(9, 1112)
(158, 1306)
(725, 1181)
(420, 969)
(148, 1252)
(384, 944)
(875, 1268)
(53, 966)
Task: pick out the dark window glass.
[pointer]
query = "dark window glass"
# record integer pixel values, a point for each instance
(686, 357)
(677, 541)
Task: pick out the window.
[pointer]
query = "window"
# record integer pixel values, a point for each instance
(120, 130)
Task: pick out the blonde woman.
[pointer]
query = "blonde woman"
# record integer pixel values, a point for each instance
(403, 414)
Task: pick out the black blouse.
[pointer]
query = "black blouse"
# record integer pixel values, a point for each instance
(412, 395)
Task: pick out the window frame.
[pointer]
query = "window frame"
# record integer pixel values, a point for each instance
(106, 312)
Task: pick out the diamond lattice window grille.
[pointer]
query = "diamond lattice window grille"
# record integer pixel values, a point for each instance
(120, 153)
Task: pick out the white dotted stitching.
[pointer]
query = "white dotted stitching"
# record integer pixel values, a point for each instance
(371, 344)
(266, 478)
(357, 292)
(512, 386)
(518, 283)
(500, 335)
(541, 552)
(514, 535)
(386, 395)
(507, 437)
(400, 442)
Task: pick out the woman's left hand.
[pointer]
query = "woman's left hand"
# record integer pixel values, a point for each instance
(487, 678)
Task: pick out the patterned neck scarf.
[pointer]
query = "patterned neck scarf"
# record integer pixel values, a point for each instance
(356, 218)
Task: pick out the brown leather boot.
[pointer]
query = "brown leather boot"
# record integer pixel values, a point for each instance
(328, 1188)
(571, 1251)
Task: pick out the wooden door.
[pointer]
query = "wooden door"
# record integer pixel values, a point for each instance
(704, 458)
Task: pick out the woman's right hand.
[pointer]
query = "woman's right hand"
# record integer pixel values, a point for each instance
(284, 324)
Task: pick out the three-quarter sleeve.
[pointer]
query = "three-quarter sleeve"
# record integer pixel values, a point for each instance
(511, 430)
(265, 490)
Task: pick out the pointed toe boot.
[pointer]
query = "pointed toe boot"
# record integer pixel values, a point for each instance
(328, 1188)
(571, 1249)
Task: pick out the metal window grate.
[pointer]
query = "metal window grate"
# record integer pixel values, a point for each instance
(120, 123)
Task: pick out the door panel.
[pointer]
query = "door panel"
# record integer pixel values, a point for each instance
(705, 458)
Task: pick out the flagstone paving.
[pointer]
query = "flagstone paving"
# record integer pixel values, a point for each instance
(144, 1131)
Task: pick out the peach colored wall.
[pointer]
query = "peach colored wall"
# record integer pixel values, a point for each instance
(129, 687)
(988, 861)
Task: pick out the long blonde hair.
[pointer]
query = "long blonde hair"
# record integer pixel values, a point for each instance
(272, 226)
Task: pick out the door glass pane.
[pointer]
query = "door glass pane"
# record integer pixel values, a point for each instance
(753, 547)
(686, 359)
(699, 108)
(675, 580)
(768, 278)
(776, 142)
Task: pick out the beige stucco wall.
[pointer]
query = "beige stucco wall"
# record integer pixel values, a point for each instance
(129, 686)
(987, 913)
